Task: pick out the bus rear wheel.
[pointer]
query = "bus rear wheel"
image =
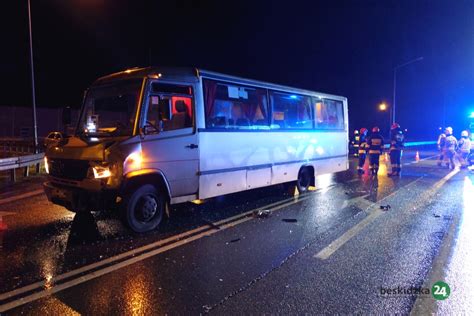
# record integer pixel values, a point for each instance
(143, 209)
(305, 179)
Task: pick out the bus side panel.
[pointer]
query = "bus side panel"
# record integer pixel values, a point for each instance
(285, 172)
(257, 178)
(289, 172)
(216, 184)
(330, 166)
(265, 157)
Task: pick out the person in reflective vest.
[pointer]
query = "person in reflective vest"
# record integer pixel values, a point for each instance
(441, 140)
(464, 148)
(450, 145)
(355, 143)
(396, 145)
(375, 144)
(362, 150)
(470, 157)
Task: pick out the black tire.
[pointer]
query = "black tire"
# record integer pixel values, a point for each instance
(143, 209)
(304, 181)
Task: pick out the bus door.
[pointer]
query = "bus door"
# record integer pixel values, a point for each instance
(169, 141)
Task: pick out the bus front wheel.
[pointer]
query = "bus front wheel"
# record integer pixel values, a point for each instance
(143, 209)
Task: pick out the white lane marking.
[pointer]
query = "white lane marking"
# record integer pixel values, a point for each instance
(101, 272)
(425, 305)
(21, 196)
(180, 240)
(348, 235)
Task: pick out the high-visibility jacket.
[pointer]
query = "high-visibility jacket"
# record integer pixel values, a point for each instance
(375, 144)
(362, 144)
(396, 139)
(356, 140)
(450, 143)
(464, 145)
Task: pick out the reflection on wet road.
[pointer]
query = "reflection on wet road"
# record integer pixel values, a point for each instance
(225, 255)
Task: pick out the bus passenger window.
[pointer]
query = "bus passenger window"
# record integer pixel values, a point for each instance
(329, 114)
(291, 111)
(234, 106)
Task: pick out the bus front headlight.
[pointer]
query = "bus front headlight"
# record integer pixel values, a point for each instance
(101, 172)
(133, 162)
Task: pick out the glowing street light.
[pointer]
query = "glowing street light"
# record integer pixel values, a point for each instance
(383, 107)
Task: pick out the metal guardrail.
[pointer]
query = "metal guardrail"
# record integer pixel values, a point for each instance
(16, 146)
(14, 163)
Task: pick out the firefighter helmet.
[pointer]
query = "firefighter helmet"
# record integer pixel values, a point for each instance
(449, 130)
(395, 125)
(363, 130)
(464, 134)
(375, 129)
(356, 132)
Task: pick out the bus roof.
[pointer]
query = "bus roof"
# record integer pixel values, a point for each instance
(189, 74)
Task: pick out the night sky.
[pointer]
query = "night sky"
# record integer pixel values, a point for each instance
(347, 48)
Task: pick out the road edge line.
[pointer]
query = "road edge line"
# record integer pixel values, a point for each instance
(330, 249)
(115, 260)
(143, 256)
(21, 196)
(428, 305)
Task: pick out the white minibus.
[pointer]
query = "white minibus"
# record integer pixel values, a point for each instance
(151, 136)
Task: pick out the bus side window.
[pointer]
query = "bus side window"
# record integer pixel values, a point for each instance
(235, 106)
(181, 112)
(328, 114)
(291, 111)
(152, 119)
(170, 108)
(158, 116)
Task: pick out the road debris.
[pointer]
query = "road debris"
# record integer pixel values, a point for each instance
(262, 213)
(385, 207)
(232, 241)
(289, 220)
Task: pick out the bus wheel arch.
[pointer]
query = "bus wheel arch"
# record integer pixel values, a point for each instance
(144, 200)
(306, 178)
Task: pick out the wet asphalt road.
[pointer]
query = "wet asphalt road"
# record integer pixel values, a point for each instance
(330, 251)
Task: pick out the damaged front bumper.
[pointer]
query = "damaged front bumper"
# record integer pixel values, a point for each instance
(76, 198)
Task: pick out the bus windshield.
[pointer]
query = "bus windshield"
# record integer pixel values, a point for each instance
(109, 110)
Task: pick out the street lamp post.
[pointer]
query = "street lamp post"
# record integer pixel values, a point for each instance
(35, 127)
(394, 101)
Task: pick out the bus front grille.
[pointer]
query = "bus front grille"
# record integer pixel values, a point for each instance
(69, 169)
